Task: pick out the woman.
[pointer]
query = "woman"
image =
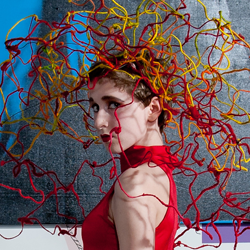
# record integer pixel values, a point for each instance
(139, 210)
(127, 93)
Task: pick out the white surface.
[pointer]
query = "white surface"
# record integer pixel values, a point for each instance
(35, 238)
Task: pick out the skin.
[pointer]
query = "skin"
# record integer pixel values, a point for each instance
(135, 218)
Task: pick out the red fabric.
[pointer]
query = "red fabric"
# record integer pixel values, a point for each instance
(98, 232)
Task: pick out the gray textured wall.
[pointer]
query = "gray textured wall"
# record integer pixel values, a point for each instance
(64, 156)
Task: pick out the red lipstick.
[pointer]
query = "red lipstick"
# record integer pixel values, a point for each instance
(105, 137)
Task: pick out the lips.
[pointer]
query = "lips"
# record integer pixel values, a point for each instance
(105, 137)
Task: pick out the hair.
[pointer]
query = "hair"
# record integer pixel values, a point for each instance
(132, 77)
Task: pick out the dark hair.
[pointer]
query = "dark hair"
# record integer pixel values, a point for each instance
(128, 75)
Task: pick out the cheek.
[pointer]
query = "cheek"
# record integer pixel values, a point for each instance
(133, 122)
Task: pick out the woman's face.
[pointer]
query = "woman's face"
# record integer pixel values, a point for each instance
(107, 102)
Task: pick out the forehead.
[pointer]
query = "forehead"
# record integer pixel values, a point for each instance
(106, 86)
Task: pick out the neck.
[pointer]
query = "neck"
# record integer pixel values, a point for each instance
(153, 137)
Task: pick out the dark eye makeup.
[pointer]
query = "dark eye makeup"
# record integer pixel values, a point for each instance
(111, 105)
(95, 107)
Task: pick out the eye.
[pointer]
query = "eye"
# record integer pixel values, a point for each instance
(95, 108)
(113, 105)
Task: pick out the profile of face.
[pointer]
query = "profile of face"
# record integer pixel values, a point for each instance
(114, 108)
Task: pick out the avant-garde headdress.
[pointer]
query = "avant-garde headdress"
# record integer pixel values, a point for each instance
(165, 51)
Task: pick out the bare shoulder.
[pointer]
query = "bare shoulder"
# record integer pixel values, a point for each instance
(136, 216)
(144, 179)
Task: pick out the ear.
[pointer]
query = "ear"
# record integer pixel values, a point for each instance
(155, 109)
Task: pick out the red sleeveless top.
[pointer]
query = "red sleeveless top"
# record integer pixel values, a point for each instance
(98, 232)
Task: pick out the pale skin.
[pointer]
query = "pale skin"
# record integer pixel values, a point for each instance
(135, 219)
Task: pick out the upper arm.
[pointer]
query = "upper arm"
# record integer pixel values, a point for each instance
(135, 218)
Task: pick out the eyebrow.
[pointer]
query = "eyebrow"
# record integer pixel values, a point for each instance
(107, 98)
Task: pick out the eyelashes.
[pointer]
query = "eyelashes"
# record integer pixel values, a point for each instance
(112, 105)
(95, 107)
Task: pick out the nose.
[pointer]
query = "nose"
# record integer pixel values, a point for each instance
(101, 120)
